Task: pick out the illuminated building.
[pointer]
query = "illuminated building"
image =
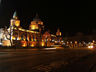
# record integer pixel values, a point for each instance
(15, 35)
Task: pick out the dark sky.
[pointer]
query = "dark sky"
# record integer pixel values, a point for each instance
(71, 16)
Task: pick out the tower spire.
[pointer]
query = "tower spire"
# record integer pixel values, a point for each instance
(37, 16)
(15, 15)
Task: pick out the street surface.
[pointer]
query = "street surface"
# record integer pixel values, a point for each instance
(48, 60)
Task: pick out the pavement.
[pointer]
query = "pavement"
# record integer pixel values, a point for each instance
(47, 60)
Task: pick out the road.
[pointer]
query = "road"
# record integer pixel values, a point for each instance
(86, 64)
(46, 60)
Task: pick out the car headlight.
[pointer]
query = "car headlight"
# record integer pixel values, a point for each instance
(90, 46)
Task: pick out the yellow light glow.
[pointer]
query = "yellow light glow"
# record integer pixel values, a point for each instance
(6, 43)
(53, 35)
(24, 45)
(41, 23)
(75, 42)
(13, 37)
(32, 45)
(19, 38)
(60, 33)
(17, 23)
(42, 40)
(12, 22)
(31, 39)
(35, 40)
(55, 41)
(15, 28)
(67, 42)
(27, 30)
(93, 41)
(24, 39)
(28, 38)
(33, 26)
(43, 44)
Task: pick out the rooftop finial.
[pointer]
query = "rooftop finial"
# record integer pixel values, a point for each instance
(37, 17)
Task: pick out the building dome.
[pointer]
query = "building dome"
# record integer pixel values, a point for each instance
(36, 23)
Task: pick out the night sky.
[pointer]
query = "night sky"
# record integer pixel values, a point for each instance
(71, 17)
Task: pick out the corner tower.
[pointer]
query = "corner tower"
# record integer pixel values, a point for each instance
(58, 33)
(15, 21)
